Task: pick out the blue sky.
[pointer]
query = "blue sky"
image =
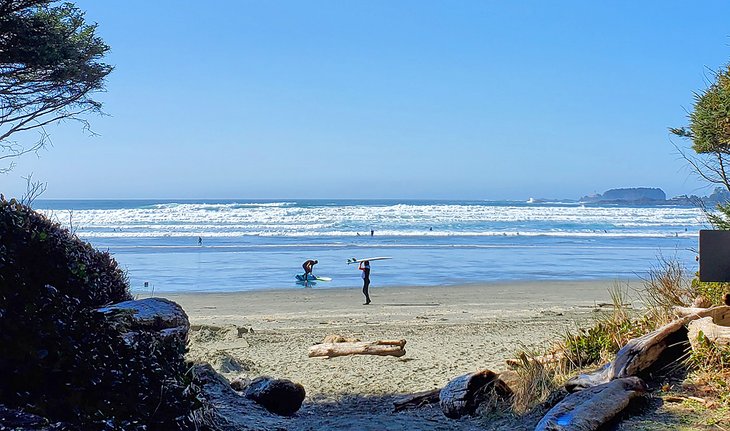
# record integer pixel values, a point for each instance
(383, 99)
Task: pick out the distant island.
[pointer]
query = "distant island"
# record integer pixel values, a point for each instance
(644, 196)
(655, 196)
(634, 194)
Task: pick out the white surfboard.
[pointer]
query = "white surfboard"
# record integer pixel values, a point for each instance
(370, 259)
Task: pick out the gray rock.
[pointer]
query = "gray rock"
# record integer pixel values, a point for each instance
(152, 315)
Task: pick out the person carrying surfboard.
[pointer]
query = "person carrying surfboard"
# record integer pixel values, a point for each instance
(365, 268)
(308, 267)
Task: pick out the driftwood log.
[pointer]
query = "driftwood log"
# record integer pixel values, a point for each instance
(647, 354)
(641, 356)
(720, 313)
(463, 395)
(414, 401)
(714, 331)
(587, 410)
(380, 347)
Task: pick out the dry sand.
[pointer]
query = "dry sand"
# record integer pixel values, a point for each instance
(450, 330)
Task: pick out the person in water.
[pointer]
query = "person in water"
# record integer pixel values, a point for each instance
(365, 268)
(308, 267)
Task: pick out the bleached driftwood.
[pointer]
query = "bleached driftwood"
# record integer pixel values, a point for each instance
(380, 347)
(462, 395)
(413, 401)
(718, 313)
(715, 332)
(649, 352)
(587, 410)
(639, 356)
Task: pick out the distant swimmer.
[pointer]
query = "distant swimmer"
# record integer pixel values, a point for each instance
(372, 232)
(308, 267)
(365, 268)
(200, 240)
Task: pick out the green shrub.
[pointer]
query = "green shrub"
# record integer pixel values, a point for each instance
(713, 291)
(608, 334)
(35, 252)
(59, 358)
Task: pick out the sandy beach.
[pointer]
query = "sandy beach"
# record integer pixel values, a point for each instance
(449, 330)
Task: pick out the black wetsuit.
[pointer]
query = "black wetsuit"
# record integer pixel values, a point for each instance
(366, 283)
(308, 267)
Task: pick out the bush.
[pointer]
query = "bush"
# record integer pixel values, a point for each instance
(34, 252)
(60, 359)
(713, 291)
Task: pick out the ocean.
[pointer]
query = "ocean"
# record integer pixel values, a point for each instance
(257, 244)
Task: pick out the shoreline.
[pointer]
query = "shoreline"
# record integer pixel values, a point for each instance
(323, 286)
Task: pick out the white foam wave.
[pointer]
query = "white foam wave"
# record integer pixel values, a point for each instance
(286, 219)
(386, 233)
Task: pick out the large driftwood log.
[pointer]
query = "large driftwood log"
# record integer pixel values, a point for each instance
(713, 331)
(413, 401)
(587, 410)
(650, 352)
(380, 347)
(462, 395)
(279, 396)
(640, 356)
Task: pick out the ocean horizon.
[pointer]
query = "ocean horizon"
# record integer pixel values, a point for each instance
(243, 244)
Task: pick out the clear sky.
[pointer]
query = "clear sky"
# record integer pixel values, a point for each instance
(387, 99)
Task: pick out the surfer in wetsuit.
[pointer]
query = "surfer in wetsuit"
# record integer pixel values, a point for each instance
(308, 267)
(365, 268)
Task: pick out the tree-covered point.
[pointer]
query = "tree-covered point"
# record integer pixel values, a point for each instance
(50, 67)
